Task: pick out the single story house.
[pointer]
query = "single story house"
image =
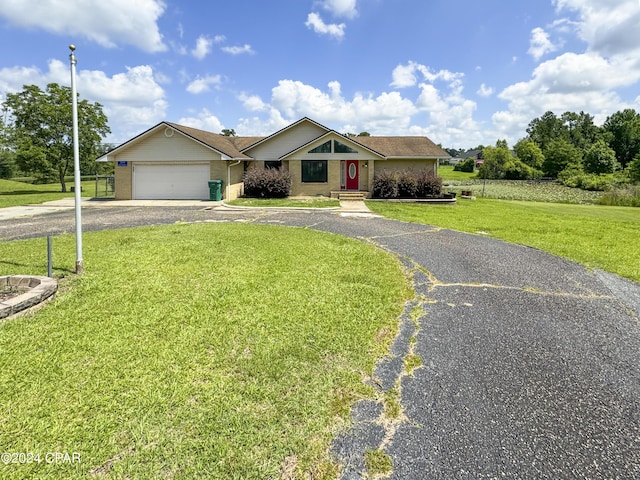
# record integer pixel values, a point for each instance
(171, 161)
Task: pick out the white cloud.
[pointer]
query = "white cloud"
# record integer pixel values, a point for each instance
(570, 82)
(404, 76)
(203, 84)
(539, 45)
(384, 113)
(341, 8)
(315, 23)
(578, 81)
(203, 47)
(239, 50)
(256, 126)
(448, 115)
(252, 103)
(132, 100)
(110, 24)
(610, 27)
(485, 91)
(204, 120)
(407, 75)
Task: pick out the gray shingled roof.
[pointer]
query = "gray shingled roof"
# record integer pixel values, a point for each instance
(386, 146)
(221, 143)
(402, 146)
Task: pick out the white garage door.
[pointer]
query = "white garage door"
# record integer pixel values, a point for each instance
(171, 182)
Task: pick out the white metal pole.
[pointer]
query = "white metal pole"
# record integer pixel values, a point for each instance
(76, 163)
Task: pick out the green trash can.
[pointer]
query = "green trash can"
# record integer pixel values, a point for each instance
(215, 190)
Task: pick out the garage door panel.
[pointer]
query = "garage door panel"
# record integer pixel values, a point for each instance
(171, 182)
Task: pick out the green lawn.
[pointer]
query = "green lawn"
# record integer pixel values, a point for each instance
(18, 193)
(194, 351)
(596, 236)
(448, 173)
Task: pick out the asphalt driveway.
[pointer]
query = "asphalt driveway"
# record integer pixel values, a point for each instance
(530, 363)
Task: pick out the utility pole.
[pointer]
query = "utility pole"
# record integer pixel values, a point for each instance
(76, 163)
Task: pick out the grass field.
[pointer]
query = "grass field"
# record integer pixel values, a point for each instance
(18, 193)
(237, 358)
(448, 173)
(596, 236)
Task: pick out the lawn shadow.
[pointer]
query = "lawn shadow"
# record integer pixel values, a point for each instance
(25, 265)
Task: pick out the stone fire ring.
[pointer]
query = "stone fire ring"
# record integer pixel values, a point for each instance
(32, 291)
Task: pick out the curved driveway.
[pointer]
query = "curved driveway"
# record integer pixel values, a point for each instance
(530, 363)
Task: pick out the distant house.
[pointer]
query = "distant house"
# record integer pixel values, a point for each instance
(171, 161)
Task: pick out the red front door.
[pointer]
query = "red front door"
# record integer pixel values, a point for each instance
(352, 175)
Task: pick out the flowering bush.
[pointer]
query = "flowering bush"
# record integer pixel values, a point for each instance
(267, 183)
(406, 184)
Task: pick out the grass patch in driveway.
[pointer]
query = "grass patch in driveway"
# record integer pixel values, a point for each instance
(194, 351)
(596, 236)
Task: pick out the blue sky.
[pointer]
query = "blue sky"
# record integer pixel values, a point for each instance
(462, 72)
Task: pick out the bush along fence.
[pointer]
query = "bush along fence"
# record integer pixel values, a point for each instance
(267, 183)
(408, 184)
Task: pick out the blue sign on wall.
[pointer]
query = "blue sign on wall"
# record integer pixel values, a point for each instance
(122, 164)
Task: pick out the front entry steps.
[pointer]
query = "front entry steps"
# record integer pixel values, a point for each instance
(352, 195)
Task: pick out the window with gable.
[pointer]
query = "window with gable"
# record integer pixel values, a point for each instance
(324, 148)
(342, 148)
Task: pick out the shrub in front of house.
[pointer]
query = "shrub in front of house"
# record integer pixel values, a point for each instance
(267, 183)
(429, 184)
(407, 184)
(385, 184)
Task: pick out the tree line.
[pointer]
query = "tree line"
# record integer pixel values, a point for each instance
(36, 136)
(570, 148)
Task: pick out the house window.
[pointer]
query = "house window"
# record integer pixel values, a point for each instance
(342, 148)
(314, 171)
(273, 164)
(324, 148)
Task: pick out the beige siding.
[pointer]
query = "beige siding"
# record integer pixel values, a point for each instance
(334, 168)
(123, 180)
(157, 147)
(407, 164)
(362, 154)
(237, 184)
(300, 188)
(286, 141)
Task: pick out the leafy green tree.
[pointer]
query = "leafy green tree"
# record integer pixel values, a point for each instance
(494, 160)
(623, 129)
(634, 169)
(499, 163)
(546, 129)
(559, 155)
(7, 157)
(468, 165)
(228, 132)
(7, 164)
(530, 153)
(580, 129)
(600, 159)
(42, 130)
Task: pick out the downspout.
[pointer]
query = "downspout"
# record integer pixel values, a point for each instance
(229, 177)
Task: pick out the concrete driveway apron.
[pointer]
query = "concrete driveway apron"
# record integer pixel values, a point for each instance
(530, 363)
